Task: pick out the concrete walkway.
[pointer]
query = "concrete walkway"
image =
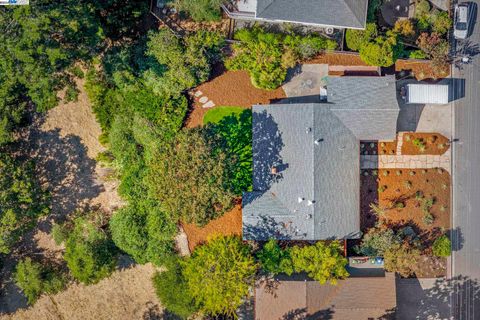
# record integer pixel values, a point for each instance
(405, 161)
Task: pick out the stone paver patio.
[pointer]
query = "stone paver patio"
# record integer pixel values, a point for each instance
(400, 161)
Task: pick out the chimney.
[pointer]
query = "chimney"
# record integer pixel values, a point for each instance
(274, 170)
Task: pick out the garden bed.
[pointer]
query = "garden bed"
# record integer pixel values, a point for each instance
(398, 191)
(427, 143)
(228, 224)
(337, 59)
(230, 88)
(421, 70)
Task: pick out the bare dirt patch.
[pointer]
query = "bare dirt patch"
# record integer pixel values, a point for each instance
(127, 294)
(433, 143)
(230, 88)
(228, 224)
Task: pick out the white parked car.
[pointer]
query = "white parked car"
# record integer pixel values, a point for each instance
(462, 20)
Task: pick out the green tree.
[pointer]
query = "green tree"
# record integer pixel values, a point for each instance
(34, 279)
(89, 253)
(442, 247)
(275, 260)
(356, 38)
(436, 49)
(441, 22)
(267, 56)
(322, 262)
(382, 52)
(187, 175)
(172, 289)
(178, 65)
(201, 10)
(219, 275)
(22, 200)
(143, 231)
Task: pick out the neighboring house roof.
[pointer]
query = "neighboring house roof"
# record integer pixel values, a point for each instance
(353, 298)
(339, 13)
(315, 193)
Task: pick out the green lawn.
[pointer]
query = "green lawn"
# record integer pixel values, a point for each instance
(216, 114)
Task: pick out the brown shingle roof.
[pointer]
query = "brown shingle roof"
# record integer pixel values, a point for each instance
(352, 298)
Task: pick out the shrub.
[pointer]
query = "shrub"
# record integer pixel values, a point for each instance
(419, 143)
(404, 27)
(408, 184)
(422, 8)
(172, 289)
(201, 10)
(274, 260)
(59, 234)
(356, 38)
(417, 54)
(219, 275)
(401, 259)
(373, 7)
(441, 22)
(377, 241)
(442, 246)
(428, 218)
(34, 280)
(89, 253)
(322, 262)
(377, 209)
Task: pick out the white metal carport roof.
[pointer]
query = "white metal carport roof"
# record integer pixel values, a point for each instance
(427, 93)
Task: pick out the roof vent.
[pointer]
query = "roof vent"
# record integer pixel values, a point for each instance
(308, 130)
(300, 199)
(310, 202)
(317, 142)
(308, 216)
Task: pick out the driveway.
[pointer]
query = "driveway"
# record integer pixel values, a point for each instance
(423, 299)
(424, 117)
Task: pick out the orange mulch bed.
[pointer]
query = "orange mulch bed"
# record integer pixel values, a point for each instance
(338, 59)
(231, 88)
(420, 69)
(400, 186)
(434, 143)
(228, 224)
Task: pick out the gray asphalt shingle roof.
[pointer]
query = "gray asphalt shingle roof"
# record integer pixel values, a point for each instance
(340, 13)
(315, 147)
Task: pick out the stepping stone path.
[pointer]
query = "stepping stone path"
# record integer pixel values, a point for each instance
(203, 100)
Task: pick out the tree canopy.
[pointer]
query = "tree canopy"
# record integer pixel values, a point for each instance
(22, 199)
(322, 262)
(219, 275)
(187, 175)
(89, 252)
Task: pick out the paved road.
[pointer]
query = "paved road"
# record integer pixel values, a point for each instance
(466, 188)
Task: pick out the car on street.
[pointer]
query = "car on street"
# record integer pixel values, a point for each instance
(462, 20)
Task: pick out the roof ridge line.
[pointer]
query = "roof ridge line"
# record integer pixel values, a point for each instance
(352, 12)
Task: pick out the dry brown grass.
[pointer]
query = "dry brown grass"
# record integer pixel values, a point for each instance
(127, 294)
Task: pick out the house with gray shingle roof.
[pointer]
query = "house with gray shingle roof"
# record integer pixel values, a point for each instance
(339, 14)
(306, 160)
(297, 297)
